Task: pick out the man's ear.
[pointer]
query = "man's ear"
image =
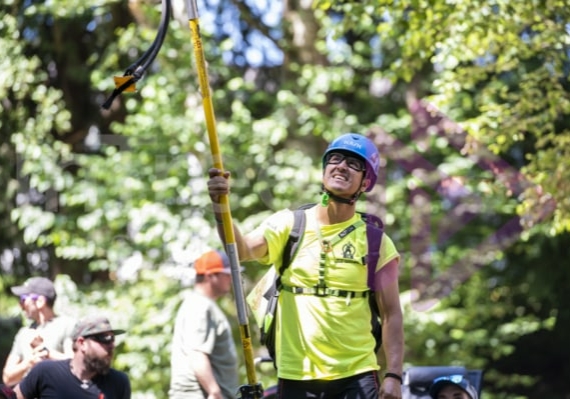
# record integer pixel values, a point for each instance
(365, 184)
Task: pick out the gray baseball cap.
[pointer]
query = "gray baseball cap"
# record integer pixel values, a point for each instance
(36, 285)
(93, 325)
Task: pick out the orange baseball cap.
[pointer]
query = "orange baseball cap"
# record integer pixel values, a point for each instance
(213, 262)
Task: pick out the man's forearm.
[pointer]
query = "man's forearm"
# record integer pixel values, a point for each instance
(393, 343)
(204, 374)
(244, 250)
(18, 392)
(14, 373)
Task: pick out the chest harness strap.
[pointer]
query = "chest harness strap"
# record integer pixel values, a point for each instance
(321, 289)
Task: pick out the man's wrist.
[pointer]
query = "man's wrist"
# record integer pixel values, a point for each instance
(394, 376)
(46, 350)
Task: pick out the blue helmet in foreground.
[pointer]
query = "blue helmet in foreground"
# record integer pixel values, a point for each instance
(361, 146)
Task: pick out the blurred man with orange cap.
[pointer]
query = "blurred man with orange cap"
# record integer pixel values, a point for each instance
(204, 361)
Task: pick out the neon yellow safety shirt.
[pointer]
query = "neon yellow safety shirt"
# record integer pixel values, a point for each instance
(323, 337)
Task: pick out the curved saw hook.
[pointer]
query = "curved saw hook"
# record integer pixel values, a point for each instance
(136, 70)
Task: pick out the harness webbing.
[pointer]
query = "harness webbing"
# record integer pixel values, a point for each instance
(324, 291)
(321, 289)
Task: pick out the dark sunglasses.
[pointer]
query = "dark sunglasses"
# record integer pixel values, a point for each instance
(353, 163)
(101, 338)
(33, 297)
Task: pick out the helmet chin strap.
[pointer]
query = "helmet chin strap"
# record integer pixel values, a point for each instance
(326, 196)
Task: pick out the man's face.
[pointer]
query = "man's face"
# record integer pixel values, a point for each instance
(452, 392)
(98, 351)
(221, 283)
(31, 304)
(343, 174)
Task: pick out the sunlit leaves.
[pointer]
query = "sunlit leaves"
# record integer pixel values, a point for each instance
(138, 200)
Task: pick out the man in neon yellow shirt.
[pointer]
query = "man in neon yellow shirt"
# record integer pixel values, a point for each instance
(323, 342)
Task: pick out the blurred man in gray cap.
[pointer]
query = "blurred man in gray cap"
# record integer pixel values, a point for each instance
(48, 336)
(87, 375)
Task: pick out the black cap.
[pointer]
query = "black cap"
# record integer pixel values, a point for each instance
(92, 325)
(457, 380)
(36, 285)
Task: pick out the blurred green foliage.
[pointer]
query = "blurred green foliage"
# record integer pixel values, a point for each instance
(475, 196)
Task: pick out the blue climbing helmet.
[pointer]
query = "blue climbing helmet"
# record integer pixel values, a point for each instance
(362, 147)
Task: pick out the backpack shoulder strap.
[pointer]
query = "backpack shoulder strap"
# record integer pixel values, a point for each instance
(374, 232)
(294, 237)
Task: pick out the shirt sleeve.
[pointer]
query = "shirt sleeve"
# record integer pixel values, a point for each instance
(199, 333)
(16, 349)
(388, 251)
(127, 386)
(275, 229)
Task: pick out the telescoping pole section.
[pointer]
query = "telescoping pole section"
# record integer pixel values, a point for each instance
(253, 389)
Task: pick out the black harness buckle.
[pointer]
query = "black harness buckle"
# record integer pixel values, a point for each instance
(320, 290)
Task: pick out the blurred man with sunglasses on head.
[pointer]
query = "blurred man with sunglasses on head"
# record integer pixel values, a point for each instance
(49, 335)
(87, 375)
